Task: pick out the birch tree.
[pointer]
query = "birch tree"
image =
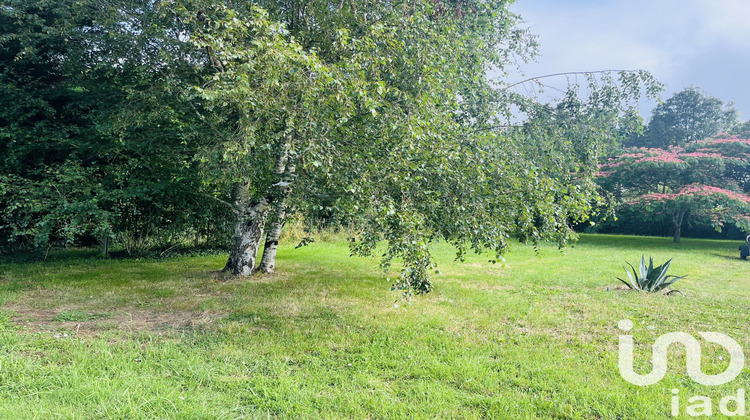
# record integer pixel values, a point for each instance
(390, 103)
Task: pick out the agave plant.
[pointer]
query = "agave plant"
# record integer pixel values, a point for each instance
(649, 278)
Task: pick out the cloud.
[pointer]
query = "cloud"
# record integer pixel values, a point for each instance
(726, 23)
(682, 42)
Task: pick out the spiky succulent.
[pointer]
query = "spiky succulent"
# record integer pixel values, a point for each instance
(649, 278)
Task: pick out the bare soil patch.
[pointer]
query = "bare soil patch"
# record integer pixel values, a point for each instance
(94, 323)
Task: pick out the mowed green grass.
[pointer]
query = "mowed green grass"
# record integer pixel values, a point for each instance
(325, 337)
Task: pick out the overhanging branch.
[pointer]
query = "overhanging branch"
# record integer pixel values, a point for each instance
(225, 203)
(567, 73)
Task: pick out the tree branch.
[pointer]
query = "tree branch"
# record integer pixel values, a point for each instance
(226, 203)
(568, 73)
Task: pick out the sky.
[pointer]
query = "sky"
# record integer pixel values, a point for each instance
(703, 43)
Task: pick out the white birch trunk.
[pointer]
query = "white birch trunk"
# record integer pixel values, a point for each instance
(250, 218)
(268, 261)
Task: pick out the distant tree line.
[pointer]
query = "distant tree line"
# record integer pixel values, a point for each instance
(688, 172)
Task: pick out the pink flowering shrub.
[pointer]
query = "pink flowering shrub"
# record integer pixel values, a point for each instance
(693, 192)
(707, 181)
(725, 140)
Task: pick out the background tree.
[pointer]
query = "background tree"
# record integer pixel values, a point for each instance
(705, 182)
(741, 129)
(688, 116)
(95, 144)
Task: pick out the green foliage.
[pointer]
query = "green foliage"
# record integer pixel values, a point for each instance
(741, 129)
(396, 121)
(705, 182)
(649, 279)
(687, 116)
(144, 115)
(94, 143)
(62, 204)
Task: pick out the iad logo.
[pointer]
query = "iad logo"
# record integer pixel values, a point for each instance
(702, 406)
(692, 352)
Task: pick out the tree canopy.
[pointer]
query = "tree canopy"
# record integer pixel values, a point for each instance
(193, 115)
(706, 182)
(687, 116)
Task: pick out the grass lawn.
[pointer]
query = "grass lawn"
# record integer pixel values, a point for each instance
(91, 338)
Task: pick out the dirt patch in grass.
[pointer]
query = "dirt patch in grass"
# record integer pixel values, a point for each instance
(132, 305)
(192, 303)
(80, 322)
